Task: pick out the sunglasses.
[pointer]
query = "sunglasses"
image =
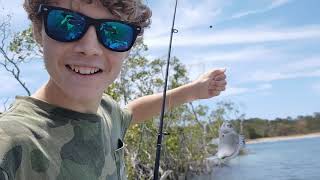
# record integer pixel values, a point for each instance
(65, 25)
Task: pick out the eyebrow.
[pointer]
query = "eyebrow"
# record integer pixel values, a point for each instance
(53, 2)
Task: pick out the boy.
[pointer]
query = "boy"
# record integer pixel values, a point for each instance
(68, 129)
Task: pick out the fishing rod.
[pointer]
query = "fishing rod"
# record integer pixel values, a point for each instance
(160, 132)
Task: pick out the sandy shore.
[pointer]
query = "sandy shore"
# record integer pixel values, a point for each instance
(282, 138)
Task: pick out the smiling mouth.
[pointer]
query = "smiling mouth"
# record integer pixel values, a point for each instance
(84, 70)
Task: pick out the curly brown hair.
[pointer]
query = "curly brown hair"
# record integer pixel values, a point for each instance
(133, 11)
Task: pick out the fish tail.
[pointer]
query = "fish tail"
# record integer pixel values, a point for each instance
(242, 141)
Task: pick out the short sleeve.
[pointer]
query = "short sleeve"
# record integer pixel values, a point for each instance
(10, 156)
(126, 116)
(121, 117)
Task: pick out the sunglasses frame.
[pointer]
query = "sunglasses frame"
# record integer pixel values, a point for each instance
(44, 10)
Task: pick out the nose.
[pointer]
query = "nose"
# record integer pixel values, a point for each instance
(89, 45)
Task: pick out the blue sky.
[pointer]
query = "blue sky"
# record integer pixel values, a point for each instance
(271, 50)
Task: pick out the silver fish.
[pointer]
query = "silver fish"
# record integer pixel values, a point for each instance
(229, 144)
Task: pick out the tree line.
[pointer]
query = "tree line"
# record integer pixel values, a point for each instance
(254, 128)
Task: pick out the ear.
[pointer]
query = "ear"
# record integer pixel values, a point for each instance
(37, 33)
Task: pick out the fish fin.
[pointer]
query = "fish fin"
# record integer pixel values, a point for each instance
(214, 141)
(213, 160)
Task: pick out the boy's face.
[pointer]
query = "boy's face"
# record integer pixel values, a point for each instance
(84, 55)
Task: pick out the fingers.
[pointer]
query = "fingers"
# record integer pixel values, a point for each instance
(216, 72)
(217, 88)
(218, 85)
(220, 77)
(223, 88)
(221, 83)
(213, 92)
(217, 82)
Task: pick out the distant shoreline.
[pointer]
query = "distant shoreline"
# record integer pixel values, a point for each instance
(282, 138)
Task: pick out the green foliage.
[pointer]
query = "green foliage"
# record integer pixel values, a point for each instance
(24, 47)
(190, 127)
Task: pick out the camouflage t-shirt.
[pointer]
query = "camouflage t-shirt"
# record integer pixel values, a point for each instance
(42, 141)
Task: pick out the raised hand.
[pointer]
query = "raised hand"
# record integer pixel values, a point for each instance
(209, 84)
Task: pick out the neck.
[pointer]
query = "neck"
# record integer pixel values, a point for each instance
(52, 94)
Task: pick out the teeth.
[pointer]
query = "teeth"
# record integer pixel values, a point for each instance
(84, 70)
(92, 70)
(72, 67)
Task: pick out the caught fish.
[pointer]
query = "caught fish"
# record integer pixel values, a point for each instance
(229, 144)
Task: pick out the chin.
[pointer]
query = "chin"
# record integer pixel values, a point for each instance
(84, 94)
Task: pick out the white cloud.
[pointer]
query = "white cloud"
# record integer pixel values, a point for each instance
(246, 13)
(272, 76)
(200, 62)
(189, 15)
(298, 68)
(304, 64)
(274, 4)
(193, 15)
(278, 3)
(234, 91)
(263, 87)
(316, 87)
(236, 36)
(241, 55)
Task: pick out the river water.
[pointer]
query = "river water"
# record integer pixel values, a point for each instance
(282, 160)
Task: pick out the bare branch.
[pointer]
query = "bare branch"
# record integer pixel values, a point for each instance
(166, 174)
(4, 104)
(10, 64)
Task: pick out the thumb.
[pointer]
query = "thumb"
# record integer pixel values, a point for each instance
(216, 72)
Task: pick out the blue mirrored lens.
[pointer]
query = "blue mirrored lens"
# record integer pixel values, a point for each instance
(65, 26)
(116, 35)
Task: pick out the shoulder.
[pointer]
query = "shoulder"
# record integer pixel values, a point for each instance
(17, 137)
(13, 131)
(112, 107)
(13, 124)
(11, 154)
(118, 115)
(12, 140)
(109, 104)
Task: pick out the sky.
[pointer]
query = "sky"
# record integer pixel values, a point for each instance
(270, 48)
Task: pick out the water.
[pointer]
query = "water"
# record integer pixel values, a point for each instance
(284, 160)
